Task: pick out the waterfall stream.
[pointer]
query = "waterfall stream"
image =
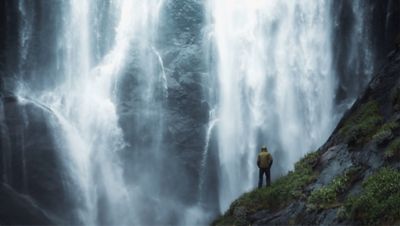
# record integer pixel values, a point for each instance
(83, 101)
(276, 85)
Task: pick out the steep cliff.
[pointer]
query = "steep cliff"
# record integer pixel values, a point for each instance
(352, 179)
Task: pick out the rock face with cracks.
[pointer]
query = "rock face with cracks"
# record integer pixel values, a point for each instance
(33, 183)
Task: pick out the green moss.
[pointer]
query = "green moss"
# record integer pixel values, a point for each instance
(385, 132)
(393, 149)
(360, 127)
(278, 195)
(327, 196)
(379, 203)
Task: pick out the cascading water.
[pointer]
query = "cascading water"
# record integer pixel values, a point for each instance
(204, 156)
(83, 101)
(85, 105)
(276, 85)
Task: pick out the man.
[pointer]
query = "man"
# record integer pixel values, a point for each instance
(264, 163)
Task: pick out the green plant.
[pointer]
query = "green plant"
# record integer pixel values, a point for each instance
(393, 149)
(361, 126)
(307, 162)
(379, 203)
(326, 196)
(385, 132)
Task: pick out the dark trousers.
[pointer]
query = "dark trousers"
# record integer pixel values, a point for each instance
(261, 177)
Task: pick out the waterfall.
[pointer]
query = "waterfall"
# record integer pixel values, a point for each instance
(84, 99)
(130, 83)
(276, 85)
(85, 105)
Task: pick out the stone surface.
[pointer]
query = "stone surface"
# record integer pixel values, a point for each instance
(31, 164)
(21, 210)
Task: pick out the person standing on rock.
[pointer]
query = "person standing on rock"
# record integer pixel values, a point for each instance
(264, 163)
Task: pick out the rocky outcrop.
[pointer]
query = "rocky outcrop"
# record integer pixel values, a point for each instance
(343, 182)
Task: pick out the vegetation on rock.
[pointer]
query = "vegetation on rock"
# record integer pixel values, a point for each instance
(362, 125)
(278, 195)
(393, 149)
(385, 132)
(327, 196)
(379, 203)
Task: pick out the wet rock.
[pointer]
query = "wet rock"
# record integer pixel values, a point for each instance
(240, 214)
(263, 214)
(266, 219)
(333, 162)
(17, 209)
(174, 121)
(370, 156)
(287, 216)
(31, 163)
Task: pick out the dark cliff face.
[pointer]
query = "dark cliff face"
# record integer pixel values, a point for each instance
(33, 176)
(362, 37)
(352, 179)
(40, 24)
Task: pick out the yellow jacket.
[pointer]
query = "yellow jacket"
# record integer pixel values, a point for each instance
(264, 160)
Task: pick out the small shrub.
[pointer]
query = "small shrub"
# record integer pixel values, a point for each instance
(342, 213)
(322, 197)
(307, 162)
(379, 203)
(326, 196)
(393, 149)
(385, 132)
(360, 127)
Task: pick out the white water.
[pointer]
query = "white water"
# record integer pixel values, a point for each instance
(162, 74)
(83, 102)
(203, 163)
(361, 57)
(88, 114)
(276, 85)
